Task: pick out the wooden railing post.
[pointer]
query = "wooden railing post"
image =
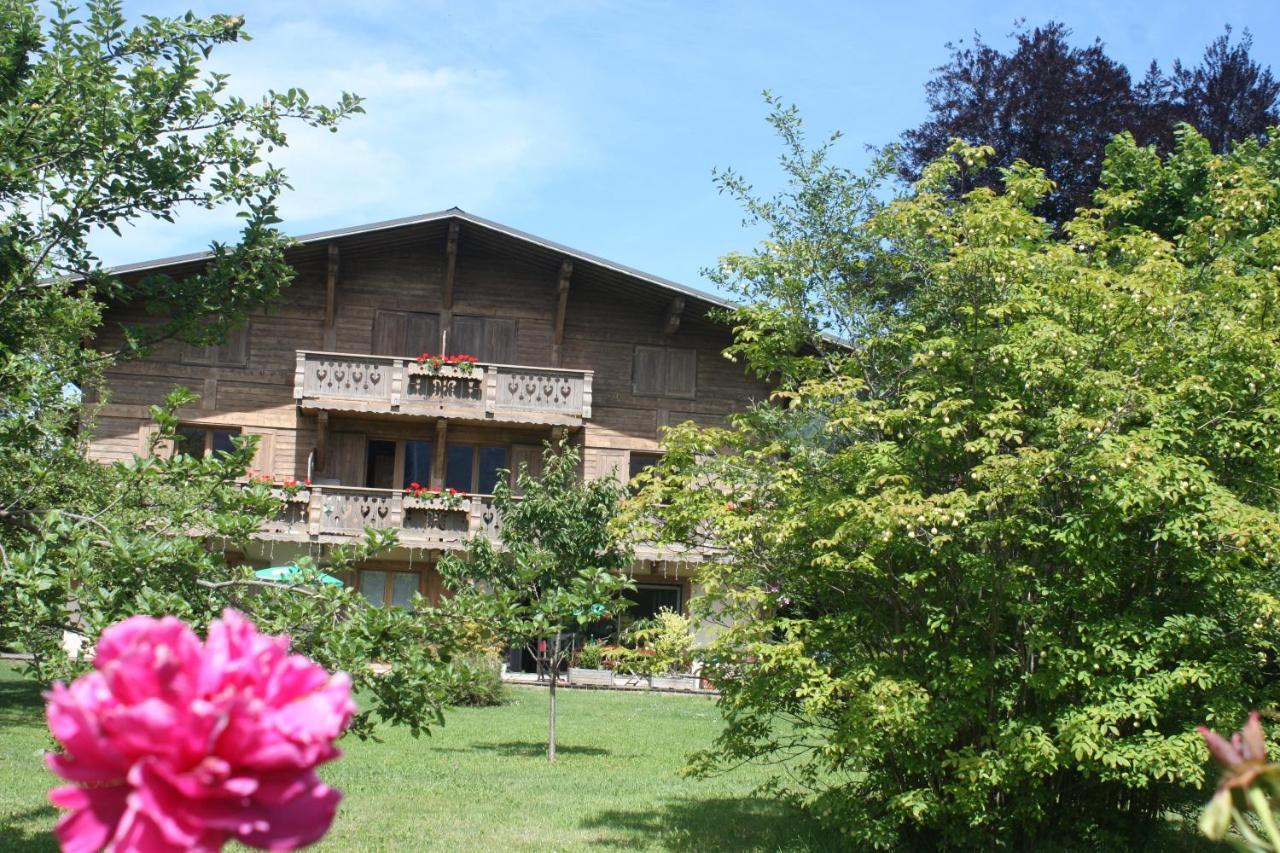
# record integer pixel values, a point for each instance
(315, 509)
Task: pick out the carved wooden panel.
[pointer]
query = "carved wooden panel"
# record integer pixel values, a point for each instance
(348, 512)
(347, 377)
(445, 387)
(539, 391)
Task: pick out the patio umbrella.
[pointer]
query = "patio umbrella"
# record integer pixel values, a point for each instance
(290, 573)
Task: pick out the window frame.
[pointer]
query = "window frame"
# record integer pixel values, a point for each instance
(663, 354)
(475, 462)
(211, 355)
(388, 584)
(208, 430)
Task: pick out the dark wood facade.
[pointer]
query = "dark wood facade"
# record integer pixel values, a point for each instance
(565, 343)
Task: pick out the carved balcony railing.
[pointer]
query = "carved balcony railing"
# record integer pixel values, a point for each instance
(336, 514)
(486, 392)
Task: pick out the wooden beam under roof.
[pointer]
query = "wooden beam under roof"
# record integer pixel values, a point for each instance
(674, 312)
(331, 298)
(562, 306)
(450, 264)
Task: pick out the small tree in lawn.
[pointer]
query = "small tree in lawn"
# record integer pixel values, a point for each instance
(559, 567)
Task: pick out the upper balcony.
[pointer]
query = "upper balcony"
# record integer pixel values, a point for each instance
(388, 385)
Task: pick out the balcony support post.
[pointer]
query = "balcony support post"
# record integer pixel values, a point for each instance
(438, 463)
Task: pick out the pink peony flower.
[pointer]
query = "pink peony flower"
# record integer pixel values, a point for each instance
(178, 745)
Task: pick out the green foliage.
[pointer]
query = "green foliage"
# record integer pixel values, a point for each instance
(661, 646)
(992, 561)
(476, 680)
(560, 567)
(104, 124)
(590, 656)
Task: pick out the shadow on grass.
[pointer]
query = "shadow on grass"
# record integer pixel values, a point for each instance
(714, 824)
(20, 704)
(526, 749)
(15, 838)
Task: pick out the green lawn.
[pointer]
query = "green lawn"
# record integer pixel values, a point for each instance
(482, 781)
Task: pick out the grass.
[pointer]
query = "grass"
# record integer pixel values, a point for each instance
(482, 781)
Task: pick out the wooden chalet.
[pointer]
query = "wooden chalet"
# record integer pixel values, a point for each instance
(328, 380)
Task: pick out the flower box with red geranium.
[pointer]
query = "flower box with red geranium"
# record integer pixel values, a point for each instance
(295, 491)
(462, 365)
(417, 496)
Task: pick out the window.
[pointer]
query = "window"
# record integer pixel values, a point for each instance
(474, 469)
(642, 461)
(459, 459)
(380, 464)
(382, 588)
(647, 599)
(487, 338)
(205, 441)
(417, 462)
(665, 372)
(232, 352)
(405, 333)
(490, 461)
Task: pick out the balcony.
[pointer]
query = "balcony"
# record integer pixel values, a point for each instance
(336, 514)
(387, 385)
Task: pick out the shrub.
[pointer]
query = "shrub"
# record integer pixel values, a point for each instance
(476, 681)
(590, 656)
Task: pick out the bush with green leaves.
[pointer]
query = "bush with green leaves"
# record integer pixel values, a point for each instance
(475, 680)
(590, 656)
(999, 547)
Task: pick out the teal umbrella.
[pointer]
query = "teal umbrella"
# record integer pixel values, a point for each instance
(292, 574)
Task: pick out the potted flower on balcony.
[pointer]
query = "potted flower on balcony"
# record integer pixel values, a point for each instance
(418, 496)
(446, 365)
(296, 491)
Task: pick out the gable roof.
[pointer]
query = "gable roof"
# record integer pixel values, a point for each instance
(612, 275)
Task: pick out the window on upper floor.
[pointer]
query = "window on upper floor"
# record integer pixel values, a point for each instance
(195, 440)
(665, 372)
(405, 333)
(490, 339)
(232, 352)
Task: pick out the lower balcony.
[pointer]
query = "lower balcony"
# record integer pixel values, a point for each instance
(337, 514)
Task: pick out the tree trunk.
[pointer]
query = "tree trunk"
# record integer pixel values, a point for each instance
(555, 676)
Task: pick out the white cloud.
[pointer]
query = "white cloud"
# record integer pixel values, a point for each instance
(433, 135)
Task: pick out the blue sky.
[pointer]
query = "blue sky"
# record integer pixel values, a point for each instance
(597, 123)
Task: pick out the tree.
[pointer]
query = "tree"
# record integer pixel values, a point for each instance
(993, 558)
(104, 124)
(560, 567)
(1058, 106)
(1228, 96)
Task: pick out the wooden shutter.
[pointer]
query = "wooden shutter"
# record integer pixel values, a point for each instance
(389, 333)
(610, 464)
(467, 336)
(234, 351)
(346, 462)
(421, 334)
(264, 457)
(192, 354)
(499, 341)
(681, 372)
(648, 374)
(528, 455)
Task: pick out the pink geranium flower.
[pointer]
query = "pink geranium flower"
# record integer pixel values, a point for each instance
(176, 744)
